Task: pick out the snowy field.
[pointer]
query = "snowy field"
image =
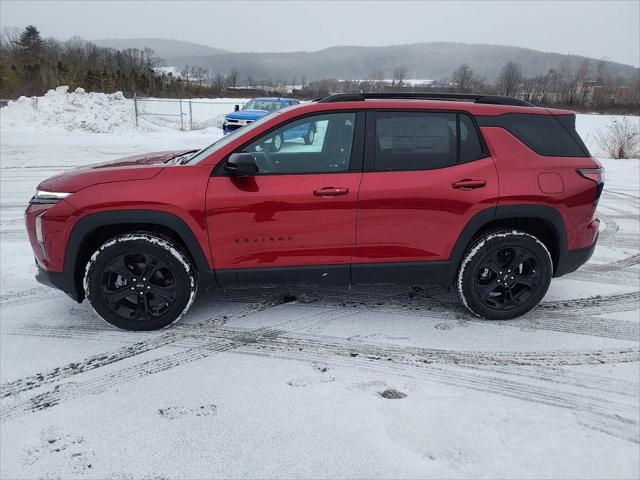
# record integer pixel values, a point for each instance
(371, 383)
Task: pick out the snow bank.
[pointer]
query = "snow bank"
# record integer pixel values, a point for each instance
(60, 110)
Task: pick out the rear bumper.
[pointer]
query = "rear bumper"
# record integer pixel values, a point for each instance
(571, 260)
(61, 280)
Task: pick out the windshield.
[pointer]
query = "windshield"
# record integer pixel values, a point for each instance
(266, 105)
(227, 139)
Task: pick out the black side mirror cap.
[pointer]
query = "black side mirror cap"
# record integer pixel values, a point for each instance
(236, 108)
(241, 164)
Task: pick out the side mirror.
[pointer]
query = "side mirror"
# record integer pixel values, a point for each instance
(236, 108)
(241, 164)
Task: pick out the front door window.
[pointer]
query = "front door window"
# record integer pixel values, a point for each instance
(315, 144)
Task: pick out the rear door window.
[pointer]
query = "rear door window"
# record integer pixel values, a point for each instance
(423, 140)
(414, 140)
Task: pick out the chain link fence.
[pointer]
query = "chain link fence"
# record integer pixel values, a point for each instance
(184, 114)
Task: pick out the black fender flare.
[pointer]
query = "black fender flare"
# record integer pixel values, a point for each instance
(89, 223)
(484, 217)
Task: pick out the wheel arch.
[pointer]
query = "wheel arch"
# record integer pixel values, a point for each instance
(94, 229)
(543, 222)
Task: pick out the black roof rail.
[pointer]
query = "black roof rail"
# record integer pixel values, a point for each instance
(471, 97)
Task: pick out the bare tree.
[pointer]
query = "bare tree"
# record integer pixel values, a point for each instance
(218, 82)
(186, 73)
(200, 75)
(582, 75)
(399, 76)
(509, 79)
(233, 78)
(465, 79)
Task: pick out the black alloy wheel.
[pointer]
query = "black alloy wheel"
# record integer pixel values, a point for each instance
(504, 274)
(140, 281)
(138, 286)
(507, 277)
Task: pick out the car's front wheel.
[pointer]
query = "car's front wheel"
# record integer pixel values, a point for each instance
(504, 274)
(278, 141)
(139, 281)
(311, 135)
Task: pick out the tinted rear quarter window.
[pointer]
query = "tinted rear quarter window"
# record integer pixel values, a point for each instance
(544, 134)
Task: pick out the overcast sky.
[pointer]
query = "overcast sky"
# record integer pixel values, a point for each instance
(592, 28)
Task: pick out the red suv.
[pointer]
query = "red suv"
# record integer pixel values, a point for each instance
(489, 194)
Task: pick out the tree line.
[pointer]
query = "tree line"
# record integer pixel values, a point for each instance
(586, 86)
(30, 65)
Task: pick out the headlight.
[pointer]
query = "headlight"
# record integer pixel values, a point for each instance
(40, 234)
(42, 196)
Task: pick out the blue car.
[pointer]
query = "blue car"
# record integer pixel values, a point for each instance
(259, 107)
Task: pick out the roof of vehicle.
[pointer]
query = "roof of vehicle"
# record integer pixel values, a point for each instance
(274, 99)
(449, 96)
(475, 104)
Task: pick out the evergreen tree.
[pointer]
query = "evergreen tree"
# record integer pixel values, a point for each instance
(31, 44)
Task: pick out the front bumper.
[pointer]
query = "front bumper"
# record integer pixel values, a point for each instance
(61, 280)
(230, 125)
(230, 128)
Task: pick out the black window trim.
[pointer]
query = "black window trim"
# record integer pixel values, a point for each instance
(357, 145)
(369, 152)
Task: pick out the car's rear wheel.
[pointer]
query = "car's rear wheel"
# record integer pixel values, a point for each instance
(139, 281)
(504, 274)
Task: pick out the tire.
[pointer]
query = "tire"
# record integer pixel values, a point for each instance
(277, 142)
(504, 274)
(311, 135)
(139, 281)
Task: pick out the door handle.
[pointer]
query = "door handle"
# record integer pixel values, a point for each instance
(468, 184)
(330, 191)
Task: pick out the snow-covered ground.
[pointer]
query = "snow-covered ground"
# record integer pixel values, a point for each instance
(370, 383)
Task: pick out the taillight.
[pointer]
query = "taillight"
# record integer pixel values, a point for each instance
(596, 175)
(593, 174)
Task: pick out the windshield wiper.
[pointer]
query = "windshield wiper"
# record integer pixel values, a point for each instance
(183, 158)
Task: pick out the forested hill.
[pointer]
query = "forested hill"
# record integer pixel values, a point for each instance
(422, 60)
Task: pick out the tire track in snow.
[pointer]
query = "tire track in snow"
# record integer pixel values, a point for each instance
(101, 360)
(633, 200)
(449, 308)
(614, 416)
(610, 230)
(608, 267)
(271, 340)
(397, 360)
(622, 302)
(558, 316)
(67, 390)
(338, 346)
